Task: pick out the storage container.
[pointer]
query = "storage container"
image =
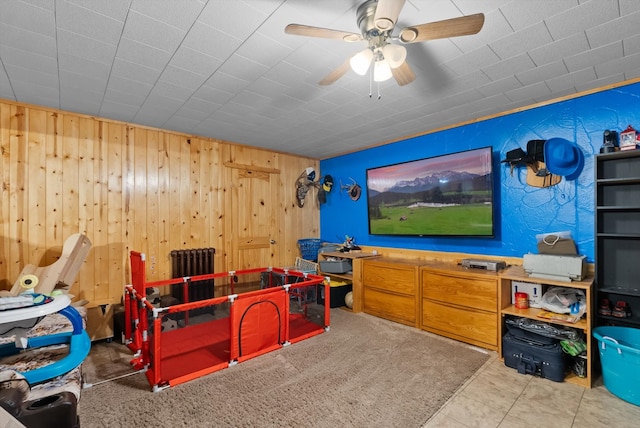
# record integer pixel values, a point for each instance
(619, 349)
(335, 266)
(309, 248)
(337, 294)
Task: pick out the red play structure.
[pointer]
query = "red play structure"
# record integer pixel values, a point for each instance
(281, 311)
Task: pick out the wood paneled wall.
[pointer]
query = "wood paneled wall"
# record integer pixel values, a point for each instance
(127, 188)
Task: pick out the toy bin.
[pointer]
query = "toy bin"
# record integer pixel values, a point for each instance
(619, 349)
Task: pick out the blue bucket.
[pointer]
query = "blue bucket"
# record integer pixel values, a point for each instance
(619, 349)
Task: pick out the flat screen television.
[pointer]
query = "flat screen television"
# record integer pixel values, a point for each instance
(448, 195)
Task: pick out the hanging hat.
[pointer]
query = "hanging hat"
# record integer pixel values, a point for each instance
(327, 183)
(563, 157)
(311, 173)
(515, 157)
(535, 151)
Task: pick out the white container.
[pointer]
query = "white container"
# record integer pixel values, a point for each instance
(533, 290)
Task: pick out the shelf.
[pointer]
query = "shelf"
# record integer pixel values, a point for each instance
(532, 313)
(616, 181)
(347, 275)
(348, 254)
(618, 235)
(624, 291)
(585, 324)
(576, 380)
(618, 208)
(517, 273)
(631, 321)
(617, 238)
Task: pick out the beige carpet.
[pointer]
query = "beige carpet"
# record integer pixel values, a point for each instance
(364, 372)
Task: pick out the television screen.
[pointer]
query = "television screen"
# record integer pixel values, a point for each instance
(448, 195)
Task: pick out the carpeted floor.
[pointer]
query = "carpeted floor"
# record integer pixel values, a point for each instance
(364, 372)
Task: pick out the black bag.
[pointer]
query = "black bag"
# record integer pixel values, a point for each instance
(533, 354)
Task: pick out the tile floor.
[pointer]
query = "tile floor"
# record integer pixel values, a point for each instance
(498, 396)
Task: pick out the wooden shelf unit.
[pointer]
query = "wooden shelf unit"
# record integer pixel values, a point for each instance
(617, 239)
(517, 273)
(355, 276)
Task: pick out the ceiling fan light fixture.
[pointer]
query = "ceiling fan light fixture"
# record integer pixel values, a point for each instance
(384, 24)
(394, 54)
(408, 35)
(381, 71)
(361, 61)
(352, 38)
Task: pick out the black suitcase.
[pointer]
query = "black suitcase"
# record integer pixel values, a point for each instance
(533, 354)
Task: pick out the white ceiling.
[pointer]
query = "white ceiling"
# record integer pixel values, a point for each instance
(225, 68)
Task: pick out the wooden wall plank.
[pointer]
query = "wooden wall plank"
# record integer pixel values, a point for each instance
(17, 184)
(35, 184)
(176, 190)
(5, 178)
(85, 166)
(53, 182)
(115, 220)
(164, 207)
(151, 197)
(70, 165)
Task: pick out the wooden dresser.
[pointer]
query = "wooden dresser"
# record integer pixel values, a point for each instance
(440, 297)
(460, 303)
(391, 289)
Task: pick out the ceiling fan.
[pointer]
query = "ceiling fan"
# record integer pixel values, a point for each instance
(376, 20)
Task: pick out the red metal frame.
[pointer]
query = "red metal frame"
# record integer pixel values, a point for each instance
(259, 322)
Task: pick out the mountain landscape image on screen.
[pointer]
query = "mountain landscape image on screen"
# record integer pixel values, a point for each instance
(424, 198)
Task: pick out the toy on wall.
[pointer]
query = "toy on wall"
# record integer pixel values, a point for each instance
(306, 181)
(353, 190)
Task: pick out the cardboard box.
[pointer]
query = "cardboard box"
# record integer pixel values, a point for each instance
(533, 290)
(100, 322)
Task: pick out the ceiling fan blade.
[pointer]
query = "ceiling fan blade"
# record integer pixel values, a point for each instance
(324, 33)
(387, 12)
(403, 74)
(336, 74)
(454, 27)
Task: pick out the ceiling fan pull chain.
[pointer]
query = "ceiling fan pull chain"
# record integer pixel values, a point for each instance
(371, 82)
(379, 94)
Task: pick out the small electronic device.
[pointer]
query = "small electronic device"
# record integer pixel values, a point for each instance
(557, 267)
(493, 265)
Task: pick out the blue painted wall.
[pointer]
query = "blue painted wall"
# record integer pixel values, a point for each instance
(521, 211)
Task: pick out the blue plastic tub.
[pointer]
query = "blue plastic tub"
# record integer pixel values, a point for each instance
(619, 349)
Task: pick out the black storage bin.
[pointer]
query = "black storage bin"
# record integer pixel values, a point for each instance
(336, 298)
(533, 354)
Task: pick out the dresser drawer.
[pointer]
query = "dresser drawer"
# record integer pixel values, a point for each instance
(475, 325)
(394, 277)
(393, 307)
(478, 293)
